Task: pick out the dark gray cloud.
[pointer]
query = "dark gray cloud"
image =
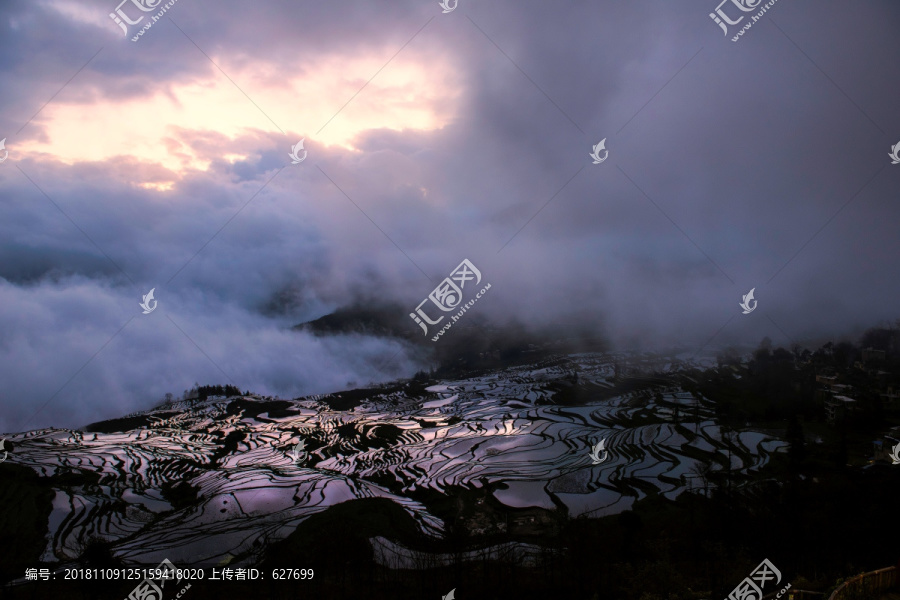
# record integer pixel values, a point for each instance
(728, 163)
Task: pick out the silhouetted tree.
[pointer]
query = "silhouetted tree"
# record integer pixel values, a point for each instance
(844, 354)
(795, 439)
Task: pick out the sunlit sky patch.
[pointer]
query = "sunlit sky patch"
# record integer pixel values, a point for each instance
(186, 126)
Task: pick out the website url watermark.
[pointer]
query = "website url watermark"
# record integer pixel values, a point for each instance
(466, 306)
(723, 20)
(447, 296)
(123, 20)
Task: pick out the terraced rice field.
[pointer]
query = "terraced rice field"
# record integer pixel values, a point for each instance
(508, 431)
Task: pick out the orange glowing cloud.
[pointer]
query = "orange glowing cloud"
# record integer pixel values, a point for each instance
(185, 126)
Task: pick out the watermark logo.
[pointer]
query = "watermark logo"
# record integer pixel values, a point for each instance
(148, 298)
(151, 588)
(722, 20)
(299, 454)
(751, 587)
(596, 153)
(297, 159)
(3, 442)
(895, 153)
(122, 20)
(6, 153)
(452, 594)
(748, 298)
(895, 455)
(445, 4)
(595, 452)
(447, 296)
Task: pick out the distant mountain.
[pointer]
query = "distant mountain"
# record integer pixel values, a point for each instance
(376, 320)
(474, 344)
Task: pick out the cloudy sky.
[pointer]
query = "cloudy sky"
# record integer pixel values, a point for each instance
(431, 137)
